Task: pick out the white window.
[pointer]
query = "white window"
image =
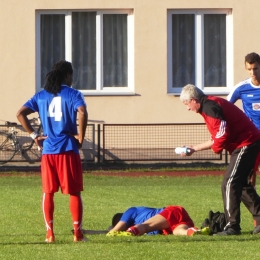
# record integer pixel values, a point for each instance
(200, 50)
(98, 43)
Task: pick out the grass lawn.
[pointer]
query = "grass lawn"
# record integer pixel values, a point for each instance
(23, 232)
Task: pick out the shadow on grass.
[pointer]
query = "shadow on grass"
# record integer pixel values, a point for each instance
(102, 239)
(173, 239)
(135, 241)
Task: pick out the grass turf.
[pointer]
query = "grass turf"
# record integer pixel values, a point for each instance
(23, 232)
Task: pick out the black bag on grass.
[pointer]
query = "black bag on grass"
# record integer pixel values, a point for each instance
(216, 222)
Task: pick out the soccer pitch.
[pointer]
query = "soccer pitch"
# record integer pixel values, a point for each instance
(23, 231)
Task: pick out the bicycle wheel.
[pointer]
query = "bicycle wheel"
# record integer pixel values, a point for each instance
(8, 147)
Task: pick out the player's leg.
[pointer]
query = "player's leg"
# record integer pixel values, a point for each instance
(71, 182)
(48, 211)
(156, 222)
(249, 194)
(253, 176)
(180, 223)
(253, 179)
(251, 199)
(235, 184)
(50, 185)
(76, 209)
(232, 185)
(184, 230)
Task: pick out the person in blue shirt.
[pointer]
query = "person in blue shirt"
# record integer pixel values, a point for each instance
(137, 221)
(248, 91)
(59, 106)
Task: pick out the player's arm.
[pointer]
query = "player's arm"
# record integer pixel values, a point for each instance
(21, 115)
(199, 147)
(220, 135)
(83, 121)
(120, 226)
(126, 220)
(203, 146)
(234, 95)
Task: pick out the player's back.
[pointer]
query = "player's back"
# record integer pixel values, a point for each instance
(58, 113)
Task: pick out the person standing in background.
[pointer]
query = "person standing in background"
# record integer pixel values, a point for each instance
(59, 106)
(248, 91)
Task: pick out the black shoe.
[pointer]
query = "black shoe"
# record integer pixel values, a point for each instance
(256, 230)
(229, 232)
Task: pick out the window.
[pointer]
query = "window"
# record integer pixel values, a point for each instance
(198, 44)
(98, 43)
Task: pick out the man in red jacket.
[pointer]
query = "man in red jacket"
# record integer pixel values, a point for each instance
(230, 129)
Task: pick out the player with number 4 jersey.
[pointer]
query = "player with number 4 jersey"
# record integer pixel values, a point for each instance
(59, 106)
(58, 116)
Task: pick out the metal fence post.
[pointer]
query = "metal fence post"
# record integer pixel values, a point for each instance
(98, 143)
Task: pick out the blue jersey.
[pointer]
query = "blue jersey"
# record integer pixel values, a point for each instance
(138, 215)
(250, 96)
(58, 114)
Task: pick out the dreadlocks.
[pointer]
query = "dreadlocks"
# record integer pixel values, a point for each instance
(56, 76)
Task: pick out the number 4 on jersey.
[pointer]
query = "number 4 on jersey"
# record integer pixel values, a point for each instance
(55, 109)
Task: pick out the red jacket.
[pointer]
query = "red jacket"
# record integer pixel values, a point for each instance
(229, 127)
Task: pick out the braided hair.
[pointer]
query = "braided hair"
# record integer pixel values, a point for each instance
(55, 78)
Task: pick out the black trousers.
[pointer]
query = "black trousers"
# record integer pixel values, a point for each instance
(236, 186)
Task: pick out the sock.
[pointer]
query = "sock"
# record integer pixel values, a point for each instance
(48, 209)
(76, 209)
(191, 231)
(133, 230)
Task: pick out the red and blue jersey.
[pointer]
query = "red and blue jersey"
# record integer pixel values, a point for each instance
(58, 114)
(250, 96)
(138, 215)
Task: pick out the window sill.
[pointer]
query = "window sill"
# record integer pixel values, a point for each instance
(209, 93)
(105, 93)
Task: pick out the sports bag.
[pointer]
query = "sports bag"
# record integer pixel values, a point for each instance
(216, 222)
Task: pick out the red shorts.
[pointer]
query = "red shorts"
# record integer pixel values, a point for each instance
(257, 163)
(176, 216)
(61, 170)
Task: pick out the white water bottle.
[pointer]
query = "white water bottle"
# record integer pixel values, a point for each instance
(180, 150)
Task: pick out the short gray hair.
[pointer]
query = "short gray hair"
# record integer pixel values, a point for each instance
(190, 91)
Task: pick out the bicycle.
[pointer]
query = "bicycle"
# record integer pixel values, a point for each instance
(10, 144)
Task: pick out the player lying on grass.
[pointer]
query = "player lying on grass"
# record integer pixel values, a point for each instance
(137, 221)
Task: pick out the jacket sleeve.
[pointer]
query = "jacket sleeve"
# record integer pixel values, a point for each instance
(219, 133)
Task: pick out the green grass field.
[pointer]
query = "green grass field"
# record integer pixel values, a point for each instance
(23, 231)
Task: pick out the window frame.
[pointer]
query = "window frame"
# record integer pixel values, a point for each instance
(199, 40)
(100, 90)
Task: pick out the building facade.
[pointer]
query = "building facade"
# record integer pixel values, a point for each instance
(130, 58)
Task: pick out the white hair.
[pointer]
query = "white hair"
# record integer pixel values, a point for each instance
(190, 91)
